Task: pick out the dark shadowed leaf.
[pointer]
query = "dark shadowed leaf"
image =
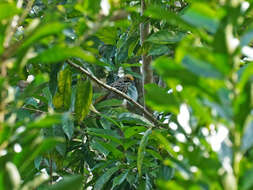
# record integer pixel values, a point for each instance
(120, 179)
(102, 180)
(68, 182)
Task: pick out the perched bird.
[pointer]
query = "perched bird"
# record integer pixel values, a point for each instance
(121, 84)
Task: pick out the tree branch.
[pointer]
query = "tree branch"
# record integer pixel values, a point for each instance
(116, 91)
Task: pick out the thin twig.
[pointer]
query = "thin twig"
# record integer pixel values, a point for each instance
(116, 91)
(32, 109)
(16, 22)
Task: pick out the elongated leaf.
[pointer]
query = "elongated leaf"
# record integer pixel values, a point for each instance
(164, 142)
(68, 125)
(46, 145)
(61, 53)
(43, 31)
(115, 152)
(201, 15)
(105, 178)
(160, 13)
(67, 183)
(119, 179)
(83, 99)
(165, 37)
(134, 118)
(201, 68)
(141, 150)
(47, 121)
(247, 141)
(131, 131)
(247, 37)
(247, 182)
(7, 10)
(105, 133)
(62, 98)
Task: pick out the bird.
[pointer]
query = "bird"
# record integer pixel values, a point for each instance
(122, 84)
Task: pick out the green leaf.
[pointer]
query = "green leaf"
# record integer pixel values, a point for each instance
(201, 68)
(131, 131)
(157, 49)
(134, 119)
(247, 140)
(8, 10)
(202, 15)
(68, 125)
(167, 68)
(246, 74)
(105, 133)
(102, 180)
(62, 97)
(165, 37)
(46, 145)
(37, 162)
(160, 100)
(160, 13)
(68, 182)
(91, 6)
(166, 145)
(110, 147)
(119, 179)
(247, 182)
(247, 37)
(60, 53)
(43, 31)
(47, 121)
(108, 35)
(141, 150)
(83, 98)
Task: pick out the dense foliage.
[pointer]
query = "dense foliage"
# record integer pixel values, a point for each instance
(55, 134)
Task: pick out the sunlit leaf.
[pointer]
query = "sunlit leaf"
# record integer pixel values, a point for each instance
(159, 99)
(43, 31)
(8, 10)
(62, 97)
(83, 98)
(61, 53)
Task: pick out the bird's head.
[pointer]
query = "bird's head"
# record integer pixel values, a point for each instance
(128, 78)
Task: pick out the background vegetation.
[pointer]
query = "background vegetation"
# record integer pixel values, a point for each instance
(188, 122)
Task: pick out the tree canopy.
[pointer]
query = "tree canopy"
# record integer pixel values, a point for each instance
(126, 94)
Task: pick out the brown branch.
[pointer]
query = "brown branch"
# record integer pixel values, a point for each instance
(116, 91)
(147, 72)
